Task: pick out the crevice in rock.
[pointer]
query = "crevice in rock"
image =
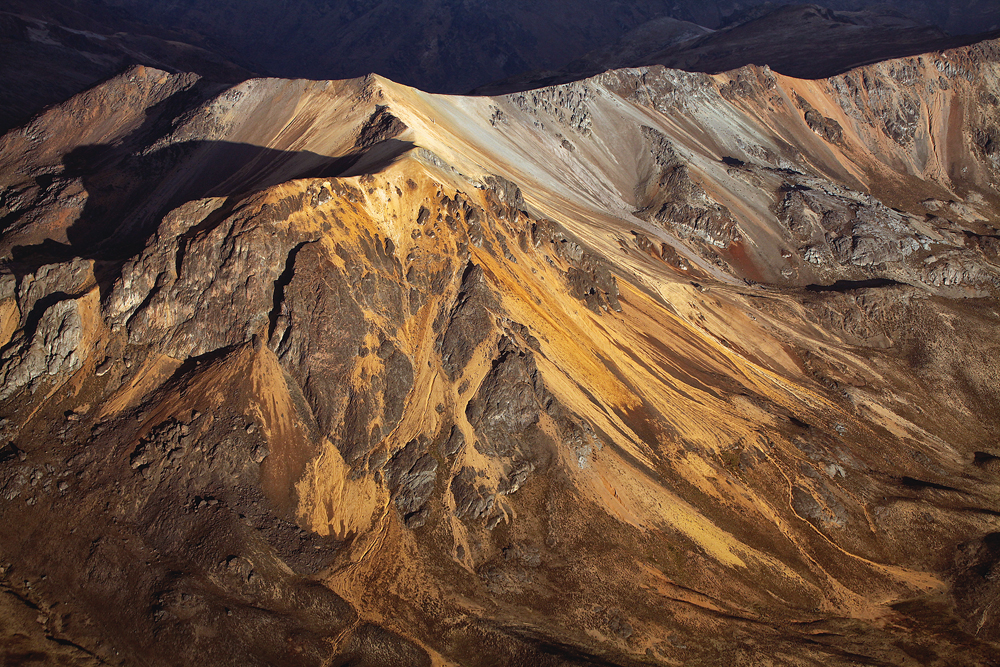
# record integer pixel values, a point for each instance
(920, 485)
(280, 283)
(848, 285)
(179, 256)
(983, 458)
(43, 304)
(8, 452)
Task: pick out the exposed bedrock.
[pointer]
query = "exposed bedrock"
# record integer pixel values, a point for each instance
(653, 368)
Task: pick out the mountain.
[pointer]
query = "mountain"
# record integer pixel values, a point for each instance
(955, 17)
(648, 37)
(438, 45)
(453, 46)
(51, 50)
(824, 42)
(650, 368)
(803, 41)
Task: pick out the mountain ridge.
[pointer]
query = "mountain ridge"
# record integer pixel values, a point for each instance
(57, 48)
(350, 373)
(838, 42)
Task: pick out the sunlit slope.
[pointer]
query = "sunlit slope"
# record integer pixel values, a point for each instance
(395, 376)
(915, 134)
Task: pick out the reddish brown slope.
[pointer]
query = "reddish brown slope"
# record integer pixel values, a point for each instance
(503, 379)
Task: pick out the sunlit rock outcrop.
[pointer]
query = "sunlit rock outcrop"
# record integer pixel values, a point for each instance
(651, 368)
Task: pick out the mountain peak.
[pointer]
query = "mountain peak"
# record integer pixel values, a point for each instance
(648, 366)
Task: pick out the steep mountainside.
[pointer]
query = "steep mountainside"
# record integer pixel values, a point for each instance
(957, 17)
(454, 46)
(804, 41)
(828, 42)
(51, 50)
(438, 45)
(654, 368)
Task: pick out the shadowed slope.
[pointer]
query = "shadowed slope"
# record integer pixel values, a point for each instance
(802, 41)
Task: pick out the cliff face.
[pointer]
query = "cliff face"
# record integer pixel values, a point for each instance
(653, 368)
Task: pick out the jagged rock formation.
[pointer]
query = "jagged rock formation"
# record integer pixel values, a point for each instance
(653, 368)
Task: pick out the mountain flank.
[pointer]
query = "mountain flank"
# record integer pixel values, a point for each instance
(651, 368)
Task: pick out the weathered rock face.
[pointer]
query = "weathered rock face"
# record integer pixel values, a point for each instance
(589, 277)
(469, 323)
(418, 379)
(674, 200)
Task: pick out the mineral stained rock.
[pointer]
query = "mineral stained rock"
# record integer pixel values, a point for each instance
(343, 373)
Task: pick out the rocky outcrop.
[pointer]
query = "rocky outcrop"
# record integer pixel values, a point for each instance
(379, 127)
(173, 294)
(470, 321)
(583, 382)
(673, 199)
(52, 347)
(507, 402)
(825, 127)
(851, 235)
(588, 276)
(57, 327)
(411, 475)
